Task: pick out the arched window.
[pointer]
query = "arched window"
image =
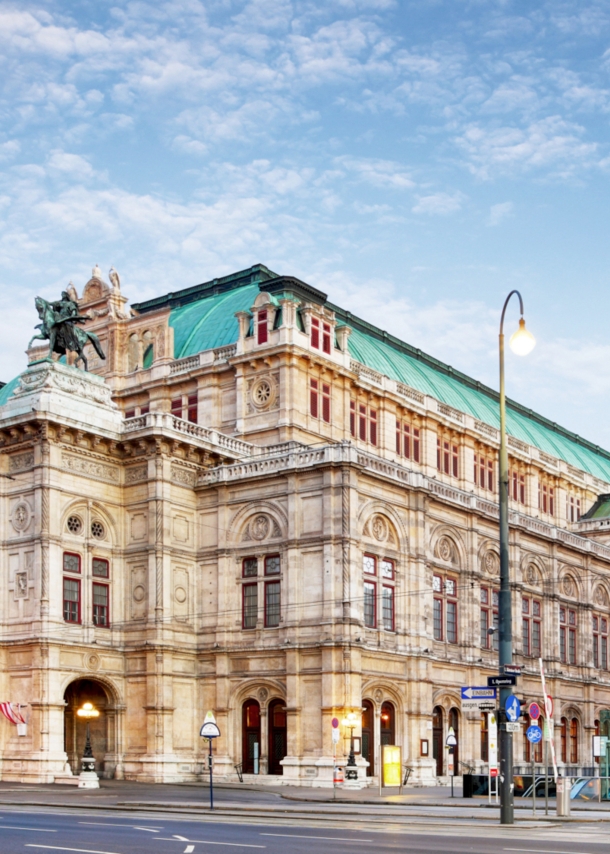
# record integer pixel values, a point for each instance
(574, 741)
(251, 734)
(564, 739)
(437, 739)
(133, 353)
(388, 726)
(368, 736)
(149, 350)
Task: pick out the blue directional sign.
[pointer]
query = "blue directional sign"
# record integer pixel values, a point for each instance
(534, 734)
(474, 692)
(513, 708)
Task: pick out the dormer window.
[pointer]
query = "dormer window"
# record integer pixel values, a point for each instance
(262, 328)
(323, 330)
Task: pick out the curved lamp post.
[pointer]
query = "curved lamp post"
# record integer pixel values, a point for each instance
(521, 342)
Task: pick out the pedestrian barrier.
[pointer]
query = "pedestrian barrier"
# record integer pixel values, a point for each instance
(239, 769)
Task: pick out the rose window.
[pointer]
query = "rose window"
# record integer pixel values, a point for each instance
(261, 393)
(75, 526)
(97, 530)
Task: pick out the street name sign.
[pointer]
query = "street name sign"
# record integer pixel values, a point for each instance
(478, 698)
(511, 669)
(501, 681)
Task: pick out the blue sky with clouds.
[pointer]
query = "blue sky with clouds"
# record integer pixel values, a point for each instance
(415, 160)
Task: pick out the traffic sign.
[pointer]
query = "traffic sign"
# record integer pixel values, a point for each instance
(210, 727)
(534, 734)
(548, 706)
(513, 726)
(501, 681)
(478, 698)
(534, 711)
(451, 740)
(513, 708)
(511, 669)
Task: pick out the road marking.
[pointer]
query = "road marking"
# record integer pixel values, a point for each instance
(35, 829)
(538, 850)
(337, 838)
(107, 824)
(206, 842)
(59, 848)
(149, 829)
(189, 849)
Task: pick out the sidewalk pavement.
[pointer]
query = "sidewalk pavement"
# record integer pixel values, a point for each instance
(244, 798)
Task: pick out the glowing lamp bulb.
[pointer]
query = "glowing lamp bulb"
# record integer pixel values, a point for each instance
(522, 342)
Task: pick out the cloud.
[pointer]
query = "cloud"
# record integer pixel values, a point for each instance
(380, 173)
(551, 142)
(72, 165)
(499, 212)
(439, 204)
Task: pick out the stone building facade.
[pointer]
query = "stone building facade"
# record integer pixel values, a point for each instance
(264, 506)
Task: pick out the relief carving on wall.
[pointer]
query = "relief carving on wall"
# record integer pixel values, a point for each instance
(446, 550)
(379, 528)
(185, 476)
(601, 597)
(531, 575)
(135, 474)
(260, 528)
(568, 586)
(21, 585)
(21, 516)
(18, 462)
(491, 563)
(90, 468)
(263, 393)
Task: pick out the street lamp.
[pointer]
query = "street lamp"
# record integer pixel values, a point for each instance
(351, 721)
(521, 342)
(88, 777)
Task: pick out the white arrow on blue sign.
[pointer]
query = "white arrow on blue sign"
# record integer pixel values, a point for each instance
(513, 708)
(478, 693)
(534, 734)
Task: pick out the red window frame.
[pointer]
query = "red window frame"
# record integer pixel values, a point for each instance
(447, 460)
(130, 413)
(369, 564)
(362, 422)
(531, 626)
(273, 609)
(314, 398)
(370, 604)
(100, 562)
(326, 338)
(517, 487)
(99, 610)
(71, 615)
(573, 509)
(568, 625)
(387, 608)
(248, 564)
(274, 569)
(490, 616)
(326, 403)
(574, 741)
(144, 410)
(192, 408)
(315, 333)
(249, 608)
(176, 406)
(78, 558)
(352, 417)
(373, 426)
(262, 326)
(546, 498)
(600, 641)
(407, 441)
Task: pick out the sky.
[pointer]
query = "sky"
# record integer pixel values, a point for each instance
(414, 160)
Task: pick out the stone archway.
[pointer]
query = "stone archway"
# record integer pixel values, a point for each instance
(102, 728)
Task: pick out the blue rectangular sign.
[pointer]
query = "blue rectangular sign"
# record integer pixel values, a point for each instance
(474, 692)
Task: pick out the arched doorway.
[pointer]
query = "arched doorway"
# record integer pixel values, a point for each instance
(454, 721)
(75, 729)
(388, 724)
(277, 736)
(251, 732)
(368, 736)
(437, 739)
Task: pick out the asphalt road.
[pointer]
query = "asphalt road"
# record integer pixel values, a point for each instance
(33, 830)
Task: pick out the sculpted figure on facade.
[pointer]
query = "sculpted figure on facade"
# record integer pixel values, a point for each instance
(59, 325)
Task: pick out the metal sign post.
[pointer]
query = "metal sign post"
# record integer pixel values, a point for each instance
(451, 743)
(548, 708)
(210, 731)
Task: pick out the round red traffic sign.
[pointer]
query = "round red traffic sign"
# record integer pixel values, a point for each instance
(335, 723)
(534, 711)
(548, 705)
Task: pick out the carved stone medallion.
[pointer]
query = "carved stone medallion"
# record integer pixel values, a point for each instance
(601, 597)
(139, 593)
(259, 527)
(445, 549)
(378, 695)
(491, 563)
(92, 661)
(180, 594)
(531, 575)
(21, 516)
(262, 694)
(567, 585)
(379, 527)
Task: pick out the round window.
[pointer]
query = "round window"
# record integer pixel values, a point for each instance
(262, 393)
(97, 530)
(75, 526)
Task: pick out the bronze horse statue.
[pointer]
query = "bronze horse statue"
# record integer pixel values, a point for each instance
(59, 327)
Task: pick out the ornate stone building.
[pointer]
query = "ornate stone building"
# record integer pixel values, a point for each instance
(261, 505)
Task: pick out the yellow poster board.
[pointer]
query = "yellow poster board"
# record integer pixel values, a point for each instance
(392, 765)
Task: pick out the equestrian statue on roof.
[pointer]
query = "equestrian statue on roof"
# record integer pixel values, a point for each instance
(60, 326)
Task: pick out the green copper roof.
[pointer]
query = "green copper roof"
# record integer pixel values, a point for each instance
(600, 510)
(203, 318)
(7, 390)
